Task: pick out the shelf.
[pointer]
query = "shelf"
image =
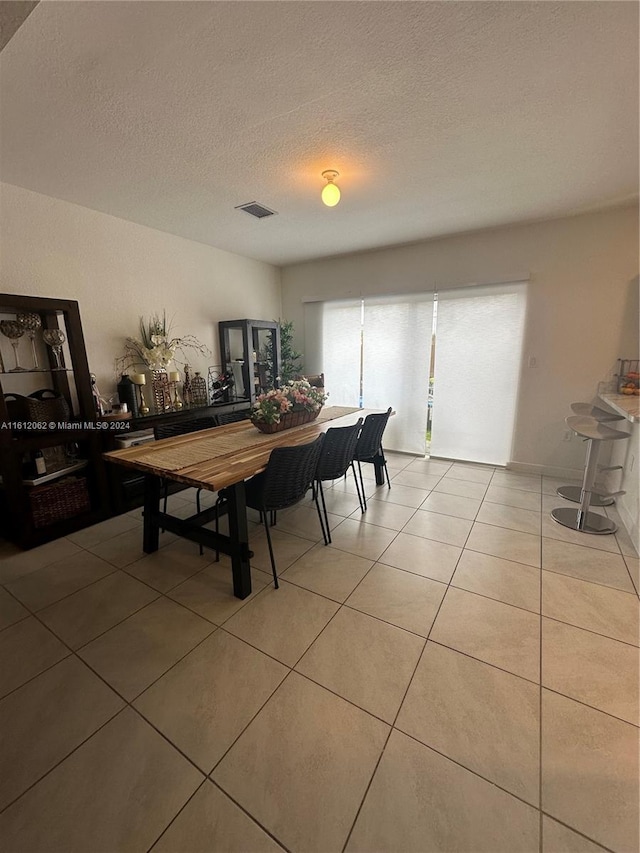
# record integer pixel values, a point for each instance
(71, 379)
(55, 475)
(36, 370)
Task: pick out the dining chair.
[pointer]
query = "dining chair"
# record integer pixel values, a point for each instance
(233, 417)
(335, 460)
(369, 447)
(289, 475)
(172, 430)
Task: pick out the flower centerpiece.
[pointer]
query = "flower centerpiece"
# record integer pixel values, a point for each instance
(294, 404)
(156, 347)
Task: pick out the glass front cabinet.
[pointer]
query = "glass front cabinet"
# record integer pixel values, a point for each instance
(250, 353)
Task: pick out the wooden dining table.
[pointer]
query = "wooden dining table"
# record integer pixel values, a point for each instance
(214, 459)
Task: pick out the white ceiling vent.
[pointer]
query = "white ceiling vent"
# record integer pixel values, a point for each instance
(257, 210)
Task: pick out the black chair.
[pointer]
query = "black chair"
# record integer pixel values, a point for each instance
(335, 460)
(369, 447)
(233, 417)
(172, 430)
(289, 475)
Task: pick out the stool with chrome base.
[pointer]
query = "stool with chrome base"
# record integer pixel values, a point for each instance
(574, 493)
(581, 519)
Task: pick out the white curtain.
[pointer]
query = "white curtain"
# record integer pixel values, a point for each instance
(478, 353)
(395, 365)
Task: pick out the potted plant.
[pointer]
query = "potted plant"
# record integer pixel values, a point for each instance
(294, 404)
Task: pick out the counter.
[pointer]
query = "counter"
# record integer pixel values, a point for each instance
(627, 405)
(627, 455)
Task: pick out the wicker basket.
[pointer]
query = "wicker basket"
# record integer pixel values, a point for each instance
(47, 405)
(16, 407)
(55, 502)
(287, 421)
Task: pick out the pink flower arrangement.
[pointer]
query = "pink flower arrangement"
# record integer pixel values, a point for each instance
(295, 396)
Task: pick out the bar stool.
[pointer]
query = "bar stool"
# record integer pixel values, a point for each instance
(574, 493)
(581, 519)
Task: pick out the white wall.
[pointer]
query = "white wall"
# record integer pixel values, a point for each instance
(119, 271)
(582, 312)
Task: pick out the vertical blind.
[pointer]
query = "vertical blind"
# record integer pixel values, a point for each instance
(478, 351)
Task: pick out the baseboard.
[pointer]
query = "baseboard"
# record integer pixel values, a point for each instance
(547, 470)
(631, 526)
(624, 516)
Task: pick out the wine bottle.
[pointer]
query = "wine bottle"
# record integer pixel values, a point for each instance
(41, 465)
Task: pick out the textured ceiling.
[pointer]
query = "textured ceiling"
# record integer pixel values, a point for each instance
(441, 117)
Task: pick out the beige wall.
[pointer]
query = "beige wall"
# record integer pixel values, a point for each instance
(583, 294)
(118, 271)
(582, 310)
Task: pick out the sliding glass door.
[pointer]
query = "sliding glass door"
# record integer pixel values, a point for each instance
(378, 352)
(478, 353)
(395, 365)
(375, 353)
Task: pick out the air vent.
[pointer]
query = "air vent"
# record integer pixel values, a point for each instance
(255, 209)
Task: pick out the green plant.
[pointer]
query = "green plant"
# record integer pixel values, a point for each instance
(290, 365)
(290, 359)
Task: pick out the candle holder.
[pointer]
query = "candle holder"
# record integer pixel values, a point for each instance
(55, 338)
(187, 392)
(14, 331)
(139, 379)
(31, 322)
(174, 378)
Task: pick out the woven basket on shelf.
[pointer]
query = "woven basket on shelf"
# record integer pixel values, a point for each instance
(57, 501)
(287, 421)
(47, 405)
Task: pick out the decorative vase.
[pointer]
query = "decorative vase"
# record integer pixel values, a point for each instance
(127, 394)
(287, 421)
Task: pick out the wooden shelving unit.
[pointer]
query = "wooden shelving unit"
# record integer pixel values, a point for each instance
(17, 444)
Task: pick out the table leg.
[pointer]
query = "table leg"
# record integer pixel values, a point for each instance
(239, 535)
(151, 525)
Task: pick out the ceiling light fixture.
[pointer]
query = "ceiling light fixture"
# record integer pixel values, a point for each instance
(330, 193)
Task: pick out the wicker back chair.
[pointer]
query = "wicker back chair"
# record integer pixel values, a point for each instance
(172, 430)
(369, 446)
(289, 475)
(335, 460)
(161, 431)
(233, 417)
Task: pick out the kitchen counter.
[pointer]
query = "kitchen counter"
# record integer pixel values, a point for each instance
(624, 404)
(626, 454)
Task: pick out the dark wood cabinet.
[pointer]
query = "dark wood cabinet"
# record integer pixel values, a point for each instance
(250, 352)
(58, 426)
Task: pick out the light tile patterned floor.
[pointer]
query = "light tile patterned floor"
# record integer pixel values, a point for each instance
(455, 672)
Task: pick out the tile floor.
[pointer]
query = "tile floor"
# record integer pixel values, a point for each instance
(455, 673)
